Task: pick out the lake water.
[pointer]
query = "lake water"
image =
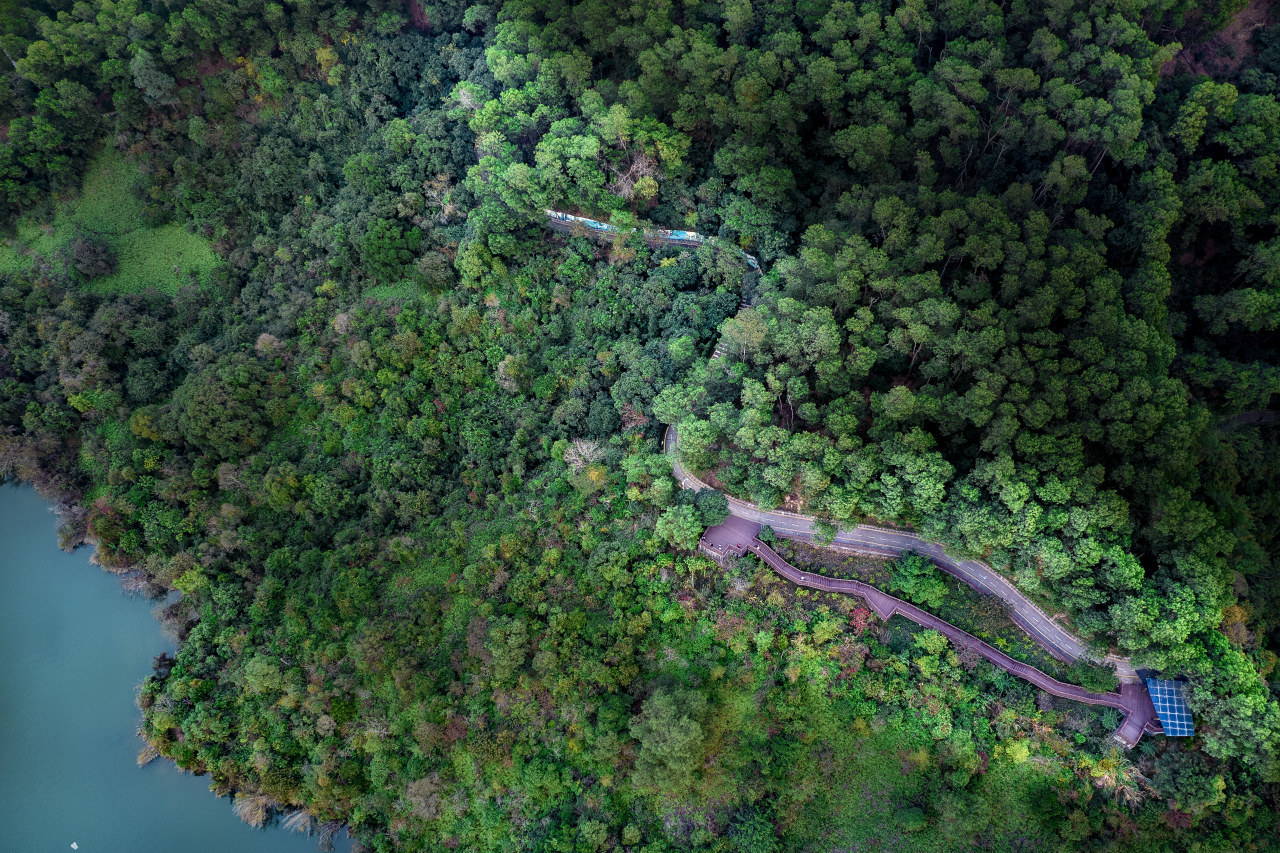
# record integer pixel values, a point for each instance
(73, 648)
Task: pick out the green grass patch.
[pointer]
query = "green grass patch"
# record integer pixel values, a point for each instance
(32, 237)
(401, 291)
(11, 262)
(110, 205)
(157, 257)
(109, 202)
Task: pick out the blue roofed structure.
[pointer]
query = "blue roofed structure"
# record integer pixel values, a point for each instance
(1171, 707)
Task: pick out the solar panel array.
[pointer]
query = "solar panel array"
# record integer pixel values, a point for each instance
(1171, 706)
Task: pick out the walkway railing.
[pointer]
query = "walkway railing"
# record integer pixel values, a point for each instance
(1135, 703)
(659, 235)
(862, 538)
(1132, 697)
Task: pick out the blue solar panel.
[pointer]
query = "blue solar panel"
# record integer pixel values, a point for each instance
(1171, 707)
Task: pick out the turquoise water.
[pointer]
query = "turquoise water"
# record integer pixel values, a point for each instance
(73, 648)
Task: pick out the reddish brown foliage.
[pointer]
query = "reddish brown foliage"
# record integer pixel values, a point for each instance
(859, 619)
(456, 730)
(418, 17)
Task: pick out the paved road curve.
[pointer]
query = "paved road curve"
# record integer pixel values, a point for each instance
(570, 224)
(881, 541)
(1132, 697)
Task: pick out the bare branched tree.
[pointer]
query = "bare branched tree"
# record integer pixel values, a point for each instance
(299, 821)
(253, 809)
(583, 452)
(628, 181)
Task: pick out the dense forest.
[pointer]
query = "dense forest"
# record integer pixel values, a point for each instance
(282, 328)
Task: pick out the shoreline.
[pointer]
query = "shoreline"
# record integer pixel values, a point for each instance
(67, 511)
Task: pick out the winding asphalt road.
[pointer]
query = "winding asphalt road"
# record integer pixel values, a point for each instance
(865, 538)
(739, 534)
(1132, 697)
(882, 541)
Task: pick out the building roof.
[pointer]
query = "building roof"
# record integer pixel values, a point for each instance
(732, 535)
(1171, 707)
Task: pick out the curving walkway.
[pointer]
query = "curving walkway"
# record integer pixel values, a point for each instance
(1131, 698)
(737, 536)
(884, 542)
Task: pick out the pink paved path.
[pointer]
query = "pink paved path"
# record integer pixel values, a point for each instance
(737, 535)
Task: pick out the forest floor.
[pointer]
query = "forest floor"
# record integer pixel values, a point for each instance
(1224, 53)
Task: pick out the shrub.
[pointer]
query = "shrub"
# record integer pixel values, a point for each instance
(90, 255)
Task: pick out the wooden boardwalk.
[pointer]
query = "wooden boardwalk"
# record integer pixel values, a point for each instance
(737, 536)
(882, 541)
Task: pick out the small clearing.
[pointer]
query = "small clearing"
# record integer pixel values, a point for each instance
(163, 257)
(1222, 55)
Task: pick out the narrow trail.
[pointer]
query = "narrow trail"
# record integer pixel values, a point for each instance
(882, 541)
(738, 535)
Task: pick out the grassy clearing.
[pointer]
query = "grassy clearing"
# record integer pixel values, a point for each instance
(401, 291)
(32, 238)
(110, 205)
(161, 257)
(109, 202)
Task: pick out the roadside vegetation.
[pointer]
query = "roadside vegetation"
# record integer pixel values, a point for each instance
(398, 445)
(916, 579)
